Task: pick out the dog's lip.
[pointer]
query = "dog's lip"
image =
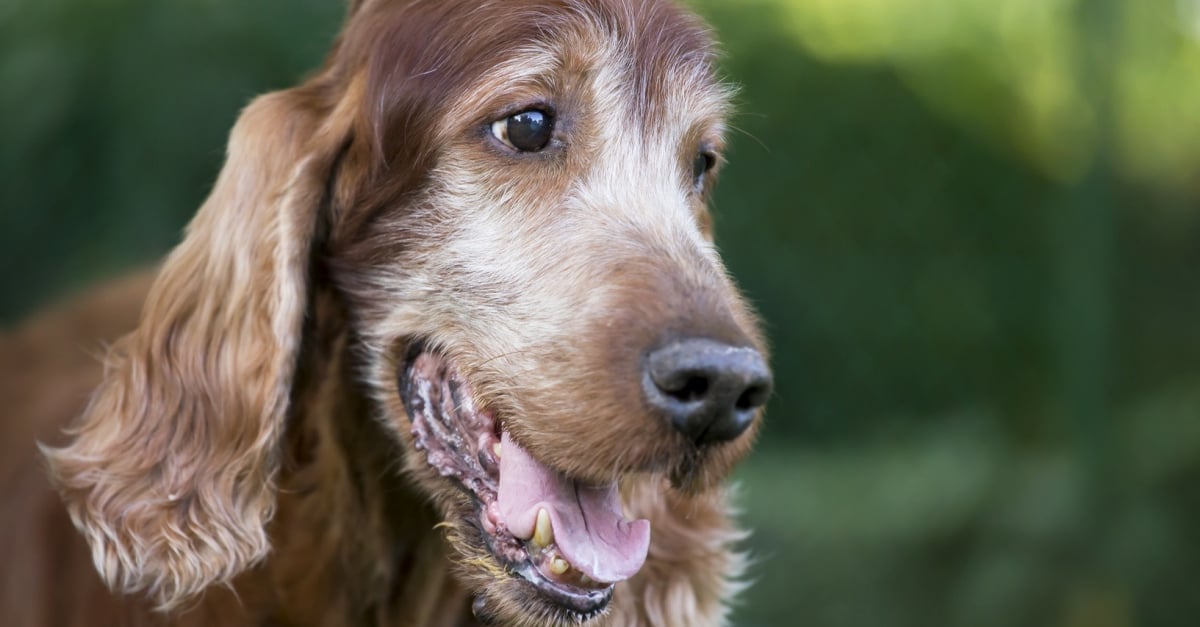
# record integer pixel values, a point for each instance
(582, 602)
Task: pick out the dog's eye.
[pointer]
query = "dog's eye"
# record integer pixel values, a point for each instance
(703, 163)
(527, 131)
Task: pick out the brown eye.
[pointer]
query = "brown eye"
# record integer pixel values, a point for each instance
(527, 131)
(701, 166)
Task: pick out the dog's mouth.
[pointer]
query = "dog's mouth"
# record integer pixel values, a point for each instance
(566, 539)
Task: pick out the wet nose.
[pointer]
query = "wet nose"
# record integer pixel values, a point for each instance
(708, 390)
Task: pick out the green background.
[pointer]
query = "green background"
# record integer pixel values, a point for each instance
(973, 228)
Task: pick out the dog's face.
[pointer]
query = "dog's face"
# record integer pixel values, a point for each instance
(539, 299)
(510, 201)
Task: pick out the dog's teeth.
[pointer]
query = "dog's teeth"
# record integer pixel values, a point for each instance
(587, 581)
(496, 449)
(543, 531)
(559, 566)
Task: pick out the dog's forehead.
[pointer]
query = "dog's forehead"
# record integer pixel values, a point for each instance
(642, 52)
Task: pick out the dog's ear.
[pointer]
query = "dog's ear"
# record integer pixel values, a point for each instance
(170, 472)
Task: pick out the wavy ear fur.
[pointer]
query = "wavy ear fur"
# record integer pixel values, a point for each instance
(170, 473)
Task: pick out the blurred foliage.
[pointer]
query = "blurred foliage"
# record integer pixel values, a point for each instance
(971, 226)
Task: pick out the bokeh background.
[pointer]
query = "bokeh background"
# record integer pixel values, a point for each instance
(973, 227)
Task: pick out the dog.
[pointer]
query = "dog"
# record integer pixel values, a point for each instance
(449, 343)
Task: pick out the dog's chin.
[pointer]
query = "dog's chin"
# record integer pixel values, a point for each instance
(532, 544)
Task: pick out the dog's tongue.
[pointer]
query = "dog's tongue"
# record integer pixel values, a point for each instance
(589, 529)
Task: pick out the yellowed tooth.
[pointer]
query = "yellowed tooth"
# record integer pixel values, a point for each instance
(559, 566)
(543, 532)
(496, 449)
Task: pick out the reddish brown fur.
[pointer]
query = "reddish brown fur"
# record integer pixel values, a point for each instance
(237, 462)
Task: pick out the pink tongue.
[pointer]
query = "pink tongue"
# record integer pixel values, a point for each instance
(588, 527)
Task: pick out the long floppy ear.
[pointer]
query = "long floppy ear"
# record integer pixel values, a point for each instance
(170, 473)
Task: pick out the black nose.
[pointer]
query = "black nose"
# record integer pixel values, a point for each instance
(708, 390)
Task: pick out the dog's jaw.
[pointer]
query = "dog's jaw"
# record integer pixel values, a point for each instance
(516, 504)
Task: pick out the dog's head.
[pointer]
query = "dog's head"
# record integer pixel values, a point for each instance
(510, 200)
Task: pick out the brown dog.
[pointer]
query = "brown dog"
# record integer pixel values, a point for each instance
(450, 333)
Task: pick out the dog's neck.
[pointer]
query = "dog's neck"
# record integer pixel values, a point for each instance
(339, 511)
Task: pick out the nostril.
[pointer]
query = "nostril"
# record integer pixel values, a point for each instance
(754, 397)
(694, 389)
